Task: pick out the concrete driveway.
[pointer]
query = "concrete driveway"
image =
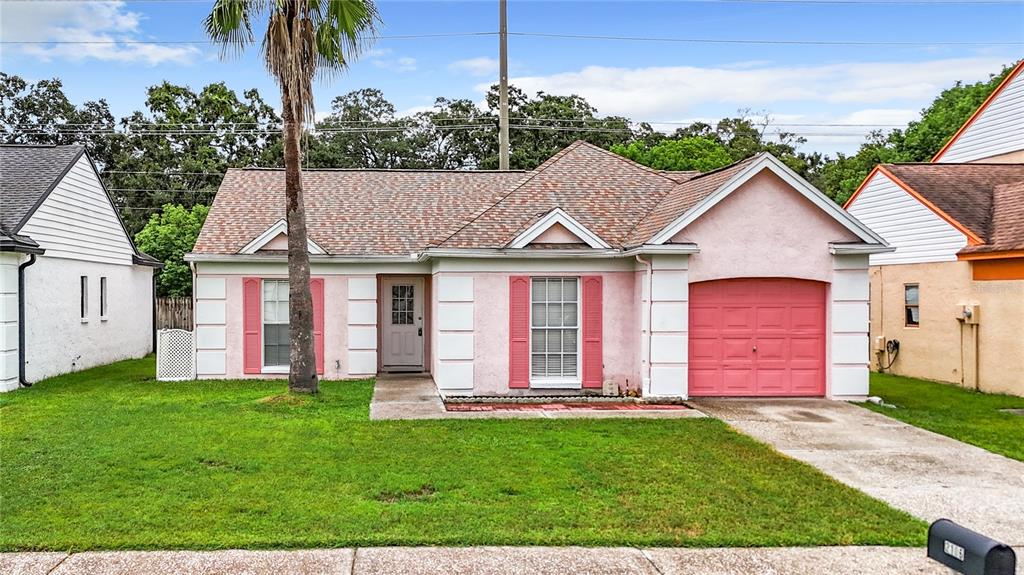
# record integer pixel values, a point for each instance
(928, 475)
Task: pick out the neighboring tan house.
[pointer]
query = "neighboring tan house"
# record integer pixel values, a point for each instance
(74, 290)
(591, 272)
(952, 293)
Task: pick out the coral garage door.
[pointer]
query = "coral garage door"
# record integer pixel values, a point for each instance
(757, 337)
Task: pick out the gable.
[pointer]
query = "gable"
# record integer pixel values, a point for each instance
(770, 227)
(557, 234)
(996, 130)
(276, 238)
(558, 227)
(915, 230)
(78, 221)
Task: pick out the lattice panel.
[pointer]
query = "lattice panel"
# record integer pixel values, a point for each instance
(175, 355)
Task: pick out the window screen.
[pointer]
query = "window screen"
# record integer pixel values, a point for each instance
(554, 328)
(275, 323)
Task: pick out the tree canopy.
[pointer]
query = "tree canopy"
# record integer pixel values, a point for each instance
(168, 236)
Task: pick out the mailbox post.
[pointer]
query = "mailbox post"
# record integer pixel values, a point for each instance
(968, 552)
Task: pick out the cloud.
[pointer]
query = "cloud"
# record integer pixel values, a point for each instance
(400, 64)
(666, 92)
(106, 31)
(481, 66)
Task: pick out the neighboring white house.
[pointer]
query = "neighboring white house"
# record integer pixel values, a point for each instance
(74, 290)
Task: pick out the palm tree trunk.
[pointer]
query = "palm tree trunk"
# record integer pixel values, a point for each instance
(302, 371)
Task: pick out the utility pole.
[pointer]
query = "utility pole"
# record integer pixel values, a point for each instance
(503, 86)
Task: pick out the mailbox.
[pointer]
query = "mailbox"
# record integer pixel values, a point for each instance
(965, 551)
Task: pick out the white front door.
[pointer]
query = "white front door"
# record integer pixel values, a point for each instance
(402, 329)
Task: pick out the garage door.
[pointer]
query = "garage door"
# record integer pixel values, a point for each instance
(757, 337)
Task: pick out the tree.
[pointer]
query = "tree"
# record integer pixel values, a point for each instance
(363, 131)
(698, 153)
(168, 236)
(305, 39)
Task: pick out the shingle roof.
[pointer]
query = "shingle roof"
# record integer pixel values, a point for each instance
(27, 174)
(352, 212)
(399, 212)
(604, 192)
(978, 196)
(682, 198)
(1007, 227)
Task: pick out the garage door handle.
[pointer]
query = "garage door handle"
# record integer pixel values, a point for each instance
(755, 348)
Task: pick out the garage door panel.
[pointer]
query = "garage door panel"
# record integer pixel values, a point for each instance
(738, 381)
(783, 318)
(705, 349)
(772, 318)
(705, 381)
(704, 317)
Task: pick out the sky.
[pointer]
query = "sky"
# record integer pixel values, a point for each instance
(805, 88)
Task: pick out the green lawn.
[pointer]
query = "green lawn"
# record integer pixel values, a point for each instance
(111, 459)
(962, 414)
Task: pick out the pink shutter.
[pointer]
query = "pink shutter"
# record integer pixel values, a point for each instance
(519, 332)
(252, 324)
(316, 287)
(593, 359)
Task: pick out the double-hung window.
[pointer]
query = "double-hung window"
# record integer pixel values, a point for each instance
(275, 323)
(554, 330)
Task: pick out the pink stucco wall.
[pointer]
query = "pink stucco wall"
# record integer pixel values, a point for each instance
(621, 338)
(335, 327)
(763, 229)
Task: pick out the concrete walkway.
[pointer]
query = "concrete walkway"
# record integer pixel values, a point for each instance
(481, 561)
(398, 396)
(926, 474)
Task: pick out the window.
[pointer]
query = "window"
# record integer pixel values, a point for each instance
(84, 282)
(554, 328)
(402, 304)
(912, 310)
(275, 323)
(103, 298)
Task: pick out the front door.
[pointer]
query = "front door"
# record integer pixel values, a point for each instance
(402, 324)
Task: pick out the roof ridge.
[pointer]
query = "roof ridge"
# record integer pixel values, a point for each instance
(529, 176)
(952, 164)
(385, 170)
(634, 163)
(677, 186)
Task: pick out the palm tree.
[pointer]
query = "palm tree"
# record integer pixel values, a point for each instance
(305, 39)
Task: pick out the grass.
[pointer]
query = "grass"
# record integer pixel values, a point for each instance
(111, 459)
(960, 413)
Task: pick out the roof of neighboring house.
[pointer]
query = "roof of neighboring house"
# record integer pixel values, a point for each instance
(27, 174)
(352, 212)
(979, 197)
(1017, 69)
(618, 203)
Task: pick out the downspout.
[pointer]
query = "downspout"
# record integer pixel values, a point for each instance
(647, 327)
(21, 320)
(153, 342)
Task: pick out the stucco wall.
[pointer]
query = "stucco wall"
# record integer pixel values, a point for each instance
(763, 229)
(491, 345)
(59, 341)
(933, 349)
(9, 320)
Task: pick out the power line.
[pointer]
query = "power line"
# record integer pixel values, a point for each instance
(803, 2)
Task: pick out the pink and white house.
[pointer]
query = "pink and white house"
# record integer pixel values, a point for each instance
(590, 269)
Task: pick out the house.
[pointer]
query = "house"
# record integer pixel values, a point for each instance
(589, 270)
(952, 292)
(75, 292)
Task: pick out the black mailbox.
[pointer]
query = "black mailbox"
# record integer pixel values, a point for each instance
(968, 552)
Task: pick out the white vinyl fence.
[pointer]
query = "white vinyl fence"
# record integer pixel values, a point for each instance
(175, 355)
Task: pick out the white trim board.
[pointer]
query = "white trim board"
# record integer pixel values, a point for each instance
(558, 216)
(768, 162)
(279, 227)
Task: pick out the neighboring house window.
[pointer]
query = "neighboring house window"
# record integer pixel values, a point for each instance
(554, 328)
(912, 310)
(275, 323)
(103, 298)
(84, 282)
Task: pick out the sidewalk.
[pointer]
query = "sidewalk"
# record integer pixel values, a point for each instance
(482, 561)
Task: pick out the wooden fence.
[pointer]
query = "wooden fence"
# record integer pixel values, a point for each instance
(174, 313)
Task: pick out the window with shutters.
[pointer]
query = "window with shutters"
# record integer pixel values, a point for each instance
(554, 329)
(275, 323)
